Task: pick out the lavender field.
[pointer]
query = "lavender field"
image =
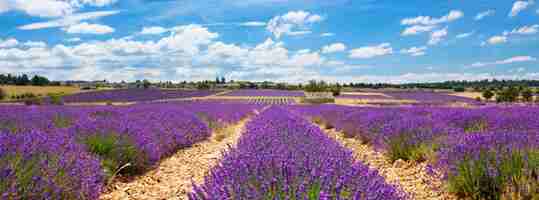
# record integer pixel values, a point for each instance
(282, 152)
(134, 95)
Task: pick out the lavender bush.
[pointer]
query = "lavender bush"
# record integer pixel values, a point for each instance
(39, 165)
(56, 152)
(282, 156)
(493, 165)
(138, 135)
(485, 153)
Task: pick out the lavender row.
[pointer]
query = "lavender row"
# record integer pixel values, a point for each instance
(134, 95)
(431, 97)
(43, 149)
(484, 153)
(265, 93)
(282, 156)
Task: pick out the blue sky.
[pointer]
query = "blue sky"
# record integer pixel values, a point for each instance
(276, 40)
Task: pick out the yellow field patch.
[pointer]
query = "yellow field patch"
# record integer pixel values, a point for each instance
(471, 95)
(38, 90)
(372, 101)
(365, 93)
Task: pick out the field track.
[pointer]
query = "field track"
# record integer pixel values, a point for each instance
(412, 178)
(172, 179)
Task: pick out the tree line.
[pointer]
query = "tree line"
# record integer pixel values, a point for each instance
(510, 94)
(36, 80)
(452, 85)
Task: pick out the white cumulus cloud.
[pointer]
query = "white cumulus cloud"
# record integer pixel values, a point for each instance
(371, 51)
(333, 48)
(8, 43)
(85, 28)
(154, 30)
(68, 20)
(484, 14)
(292, 23)
(526, 30)
(253, 23)
(327, 34)
(417, 29)
(519, 6)
(497, 39)
(437, 36)
(414, 51)
(428, 20)
(516, 59)
(33, 44)
(465, 35)
(50, 8)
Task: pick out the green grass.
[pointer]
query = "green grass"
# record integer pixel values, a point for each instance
(115, 152)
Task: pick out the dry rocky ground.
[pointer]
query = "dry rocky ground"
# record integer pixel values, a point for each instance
(173, 178)
(412, 178)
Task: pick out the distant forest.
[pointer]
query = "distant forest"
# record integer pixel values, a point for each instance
(8, 79)
(37, 80)
(454, 85)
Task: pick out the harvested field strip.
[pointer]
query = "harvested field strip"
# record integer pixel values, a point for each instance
(172, 179)
(410, 177)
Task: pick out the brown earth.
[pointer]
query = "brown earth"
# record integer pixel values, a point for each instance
(412, 178)
(172, 179)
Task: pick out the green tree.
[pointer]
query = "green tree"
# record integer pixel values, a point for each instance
(39, 81)
(459, 89)
(146, 84)
(22, 80)
(488, 94)
(316, 86)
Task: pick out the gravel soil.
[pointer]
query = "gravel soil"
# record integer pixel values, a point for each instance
(174, 176)
(412, 178)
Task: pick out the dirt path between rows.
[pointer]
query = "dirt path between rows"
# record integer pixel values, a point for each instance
(172, 179)
(412, 178)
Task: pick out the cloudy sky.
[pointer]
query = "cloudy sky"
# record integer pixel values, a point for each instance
(277, 40)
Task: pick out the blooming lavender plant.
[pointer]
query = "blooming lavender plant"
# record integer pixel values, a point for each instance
(282, 156)
(39, 165)
(496, 165)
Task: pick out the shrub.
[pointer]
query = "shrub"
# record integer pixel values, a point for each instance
(115, 152)
(56, 99)
(459, 89)
(33, 101)
(487, 94)
(212, 124)
(3, 94)
(336, 91)
(61, 121)
(527, 95)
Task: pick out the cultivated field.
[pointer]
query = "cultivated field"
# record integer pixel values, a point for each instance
(38, 90)
(250, 144)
